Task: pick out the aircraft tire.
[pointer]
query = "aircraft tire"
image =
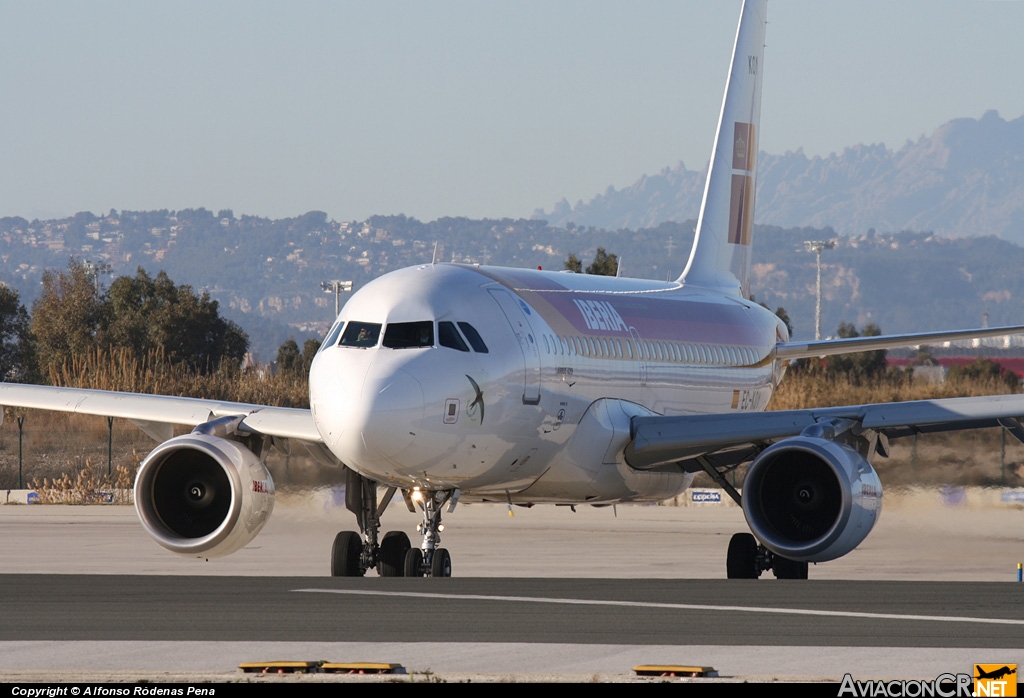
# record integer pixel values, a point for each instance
(413, 562)
(348, 548)
(441, 563)
(393, 548)
(741, 560)
(784, 568)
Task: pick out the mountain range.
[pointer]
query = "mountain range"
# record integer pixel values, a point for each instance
(965, 179)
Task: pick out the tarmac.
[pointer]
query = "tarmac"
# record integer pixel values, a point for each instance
(967, 541)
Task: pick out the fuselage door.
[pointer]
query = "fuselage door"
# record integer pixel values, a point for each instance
(524, 333)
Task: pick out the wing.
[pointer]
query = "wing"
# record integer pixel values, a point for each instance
(826, 347)
(661, 440)
(156, 415)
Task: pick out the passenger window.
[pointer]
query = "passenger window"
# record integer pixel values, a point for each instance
(474, 338)
(409, 335)
(448, 336)
(361, 334)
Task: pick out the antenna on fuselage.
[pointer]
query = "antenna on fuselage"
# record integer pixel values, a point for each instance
(433, 259)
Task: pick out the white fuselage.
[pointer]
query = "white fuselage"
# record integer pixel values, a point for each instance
(536, 408)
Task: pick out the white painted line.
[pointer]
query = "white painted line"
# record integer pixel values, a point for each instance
(676, 606)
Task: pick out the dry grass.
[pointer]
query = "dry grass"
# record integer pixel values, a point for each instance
(89, 487)
(121, 370)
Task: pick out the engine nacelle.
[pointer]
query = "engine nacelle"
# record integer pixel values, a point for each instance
(811, 499)
(203, 496)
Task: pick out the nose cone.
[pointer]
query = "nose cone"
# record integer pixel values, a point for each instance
(366, 408)
(393, 404)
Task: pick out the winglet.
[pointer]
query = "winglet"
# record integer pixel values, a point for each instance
(720, 258)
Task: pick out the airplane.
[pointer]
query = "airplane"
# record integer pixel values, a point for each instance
(995, 673)
(457, 382)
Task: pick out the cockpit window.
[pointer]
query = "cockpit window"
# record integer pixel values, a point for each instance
(474, 337)
(361, 334)
(332, 337)
(448, 336)
(405, 335)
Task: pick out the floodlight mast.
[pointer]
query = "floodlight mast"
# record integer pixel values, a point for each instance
(336, 287)
(816, 246)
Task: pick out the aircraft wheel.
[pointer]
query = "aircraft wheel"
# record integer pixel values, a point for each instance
(391, 561)
(741, 560)
(348, 548)
(414, 563)
(784, 568)
(441, 564)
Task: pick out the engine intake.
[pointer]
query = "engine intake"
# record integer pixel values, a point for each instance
(811, 499)
(203, 496)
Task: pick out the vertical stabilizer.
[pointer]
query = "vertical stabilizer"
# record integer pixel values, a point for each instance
(720, 258)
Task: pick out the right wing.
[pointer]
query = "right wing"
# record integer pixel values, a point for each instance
(156, 415)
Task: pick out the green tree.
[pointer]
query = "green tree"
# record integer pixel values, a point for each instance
(66, 317)
(604, 264)
(983, 370)
(145, 314)
(17, 348)
(289, 359)
(860, 366)
(309, 349)
(292, 362)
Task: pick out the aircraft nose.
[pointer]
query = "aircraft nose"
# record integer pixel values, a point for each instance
(394, 405)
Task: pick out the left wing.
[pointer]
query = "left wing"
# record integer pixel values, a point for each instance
(827, 347)
(660, 440)
(810, 493)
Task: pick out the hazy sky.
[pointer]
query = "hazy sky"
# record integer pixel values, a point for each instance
(480, 109)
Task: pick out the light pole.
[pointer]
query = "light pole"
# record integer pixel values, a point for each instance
(336, 287)
(816, 246)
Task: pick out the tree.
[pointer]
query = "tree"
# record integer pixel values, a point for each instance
(868, 364)
(66, 317)
(983, 370)
(289, 360)
(17, 349)
(604, 264)
(309, 349)
(141, 314)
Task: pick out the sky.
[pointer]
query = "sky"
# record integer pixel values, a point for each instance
(431, 109)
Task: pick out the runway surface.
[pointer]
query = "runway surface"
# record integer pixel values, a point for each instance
(547, 593)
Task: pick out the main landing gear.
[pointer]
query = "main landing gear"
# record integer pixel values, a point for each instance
(393, 555)
(747, 559)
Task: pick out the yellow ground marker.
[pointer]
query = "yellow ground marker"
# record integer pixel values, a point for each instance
(674, 670)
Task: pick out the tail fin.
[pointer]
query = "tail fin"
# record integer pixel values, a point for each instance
(720, 258)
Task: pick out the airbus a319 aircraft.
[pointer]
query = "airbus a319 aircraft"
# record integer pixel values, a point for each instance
(451, 382)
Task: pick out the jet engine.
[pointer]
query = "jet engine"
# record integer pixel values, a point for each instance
(811, 499)
(202, 495)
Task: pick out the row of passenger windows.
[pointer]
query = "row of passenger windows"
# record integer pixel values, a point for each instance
(646, 350)
(407, 335)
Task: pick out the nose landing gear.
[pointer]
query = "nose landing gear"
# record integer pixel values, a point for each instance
(429, 560)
